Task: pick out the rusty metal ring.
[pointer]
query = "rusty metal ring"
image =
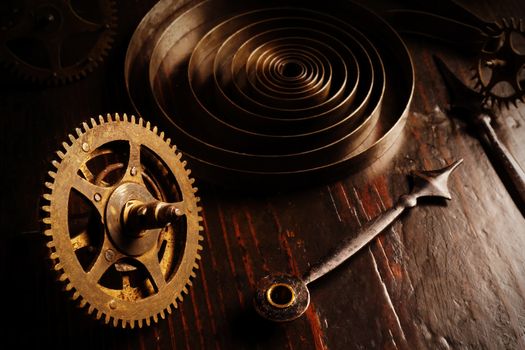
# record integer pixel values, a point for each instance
(261, 92)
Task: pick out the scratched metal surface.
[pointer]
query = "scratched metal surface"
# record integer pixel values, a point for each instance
(443, 276)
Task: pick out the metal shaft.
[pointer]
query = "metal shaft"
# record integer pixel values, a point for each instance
(138, 216)
(509, 163)
(350, 246)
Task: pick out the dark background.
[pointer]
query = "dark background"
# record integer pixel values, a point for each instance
(444, 276)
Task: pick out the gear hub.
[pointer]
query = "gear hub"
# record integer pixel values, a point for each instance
(122, 221)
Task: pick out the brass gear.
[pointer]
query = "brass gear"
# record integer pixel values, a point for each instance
(55, 41)
(500, 73)
(125, 277)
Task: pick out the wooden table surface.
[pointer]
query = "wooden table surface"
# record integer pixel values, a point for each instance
(445, 276)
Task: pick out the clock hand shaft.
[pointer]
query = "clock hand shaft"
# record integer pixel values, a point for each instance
(350, 246)
(283, 297)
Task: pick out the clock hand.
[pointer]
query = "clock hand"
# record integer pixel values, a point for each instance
(283, 297)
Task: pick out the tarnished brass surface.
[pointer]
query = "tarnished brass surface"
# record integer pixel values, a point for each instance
(271, 91)
(122, 221)
(55, 41)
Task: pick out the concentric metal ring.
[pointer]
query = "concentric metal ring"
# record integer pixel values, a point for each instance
(259, 91)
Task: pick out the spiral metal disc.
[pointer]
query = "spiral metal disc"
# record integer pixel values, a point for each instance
(270, 91)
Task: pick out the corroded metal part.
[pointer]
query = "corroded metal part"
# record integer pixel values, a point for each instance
(55, 41)
(122, 222)
(469, 106)
(500, 73)
(273, 91)
(284, 298)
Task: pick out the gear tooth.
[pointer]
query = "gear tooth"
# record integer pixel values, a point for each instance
(75, 295)
(117, 117)
(139, 323)
(98, 315)
(49, 185)
(184, 163)
(47, 221)
(54, 256)
(155, 318)
(101, 119)
(170, 307)
(62, 278)
(90, 309)
(55, 163)
(115, 323)
(72, 139)
(191, 180)
(148, 125)
(46, 208)
(131, 324)
(60, 154)
(195, 189)
(196, 266)
(78, 131)
(161, 135)
(148, 321)
(141, 121)
(133, 119)
(93, 122)
(68, 286)
(201, 238)
(86, 126)
(82, 303)
(107, 319)
(125, 117)
(156, 131)
(198, 199)
(58, 266)
(199, 209)
(168, 141)
(109, 118)
(47, 197)
(199, 247)
(180, 297)
(201, 228)
(50, 244)
(48, 233)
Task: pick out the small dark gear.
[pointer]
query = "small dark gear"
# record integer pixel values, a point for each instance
(55, 41)
(500, 74)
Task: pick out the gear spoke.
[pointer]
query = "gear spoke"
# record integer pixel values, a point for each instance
(151, 263)
(53, 51)
(97, 195)
(104, 260)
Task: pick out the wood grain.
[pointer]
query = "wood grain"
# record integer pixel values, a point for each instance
(445, 276)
